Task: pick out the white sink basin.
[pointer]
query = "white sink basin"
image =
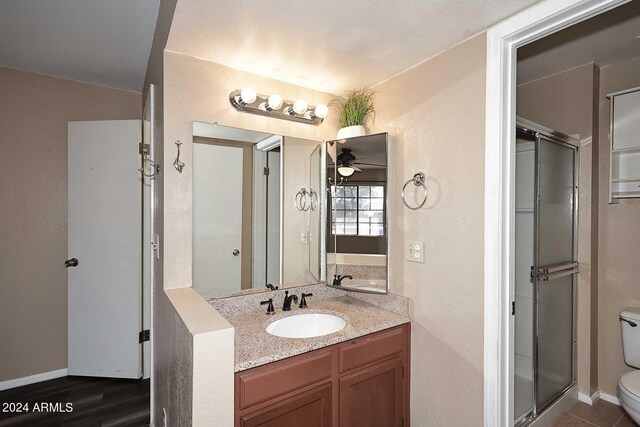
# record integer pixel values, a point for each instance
(306, 325)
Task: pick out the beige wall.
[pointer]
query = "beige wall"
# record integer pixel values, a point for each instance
(199, 90)
(567, 102)
(435, 115)
(619, 240)
(34, 111)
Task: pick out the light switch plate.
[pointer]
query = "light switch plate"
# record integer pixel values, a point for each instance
(414, 251)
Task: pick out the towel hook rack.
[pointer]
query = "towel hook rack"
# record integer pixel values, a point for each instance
(177, 163)
(418, 180)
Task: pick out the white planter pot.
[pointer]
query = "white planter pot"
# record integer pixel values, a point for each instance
(351, 131)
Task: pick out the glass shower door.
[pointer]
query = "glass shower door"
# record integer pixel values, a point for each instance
(555, 269)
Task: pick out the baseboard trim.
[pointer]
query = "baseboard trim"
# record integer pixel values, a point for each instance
(32, 379)
(609, 398)
(589, 400)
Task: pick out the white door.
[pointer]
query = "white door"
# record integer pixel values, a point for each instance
(217, 218)
(104, 225)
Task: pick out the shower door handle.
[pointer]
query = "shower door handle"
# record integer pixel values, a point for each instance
(545, 274)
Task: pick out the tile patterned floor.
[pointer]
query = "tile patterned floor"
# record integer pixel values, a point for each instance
(602, 414)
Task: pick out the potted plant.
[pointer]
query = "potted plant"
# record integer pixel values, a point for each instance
(355, 111)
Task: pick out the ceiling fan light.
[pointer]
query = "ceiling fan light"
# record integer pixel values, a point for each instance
(346, 170)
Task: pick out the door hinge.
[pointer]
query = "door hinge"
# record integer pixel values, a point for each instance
(266, 171)
(144, 336)
(513, 308)
(144, 148)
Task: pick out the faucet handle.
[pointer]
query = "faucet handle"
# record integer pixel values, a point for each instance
(270, 309)
(303, 300)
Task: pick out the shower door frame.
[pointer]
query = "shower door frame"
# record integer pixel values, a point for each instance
(503, 40)
(536, 130)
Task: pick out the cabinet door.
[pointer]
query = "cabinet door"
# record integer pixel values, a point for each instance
(310, 409)
(373, 396)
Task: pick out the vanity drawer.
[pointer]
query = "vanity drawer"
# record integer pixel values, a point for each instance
(266, 382)
(370, 348)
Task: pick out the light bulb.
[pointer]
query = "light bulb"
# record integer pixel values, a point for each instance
(300, 106)
(346, 171)
(274, 102)
(321, 111)
(248, 95)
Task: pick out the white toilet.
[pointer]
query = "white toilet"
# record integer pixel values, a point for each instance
(629, 384)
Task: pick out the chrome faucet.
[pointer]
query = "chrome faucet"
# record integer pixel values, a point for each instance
(286, 305)
(337, 279)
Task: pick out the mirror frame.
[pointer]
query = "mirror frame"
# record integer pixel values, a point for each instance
(386, 216)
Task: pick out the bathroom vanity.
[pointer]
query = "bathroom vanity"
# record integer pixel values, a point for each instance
(364, 381)
(358, 375)
(319, 339)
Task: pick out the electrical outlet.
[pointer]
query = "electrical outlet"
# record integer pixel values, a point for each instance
(414, 251)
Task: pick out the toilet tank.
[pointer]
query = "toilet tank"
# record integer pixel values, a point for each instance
(631, 336)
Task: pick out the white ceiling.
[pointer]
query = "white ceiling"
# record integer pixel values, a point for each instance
(606, 39)
(329, 45)
(98, 41)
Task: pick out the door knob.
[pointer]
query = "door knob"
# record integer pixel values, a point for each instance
(73, 262)
(236, 252)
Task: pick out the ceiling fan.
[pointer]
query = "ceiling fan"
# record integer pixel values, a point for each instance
(347, 163)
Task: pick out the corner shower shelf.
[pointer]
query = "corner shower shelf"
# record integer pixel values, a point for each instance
(624, 144)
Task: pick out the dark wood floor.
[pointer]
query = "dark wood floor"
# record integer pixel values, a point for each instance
(95, 402)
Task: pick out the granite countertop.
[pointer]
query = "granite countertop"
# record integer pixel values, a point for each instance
(255, 347)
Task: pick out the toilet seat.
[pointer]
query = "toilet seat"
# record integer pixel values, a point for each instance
(629, 394)
(630, 384)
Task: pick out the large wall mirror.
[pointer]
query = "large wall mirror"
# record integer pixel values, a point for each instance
(357, 228)
(259, 215)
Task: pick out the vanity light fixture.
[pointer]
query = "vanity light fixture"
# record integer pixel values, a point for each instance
(248, 101)
(274, 102)
(247, 96)
(300, 106)
(321, 111)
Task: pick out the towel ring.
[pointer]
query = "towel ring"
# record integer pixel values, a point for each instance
(313, 196)
(418, 180)
(155, 168)
(302, 200)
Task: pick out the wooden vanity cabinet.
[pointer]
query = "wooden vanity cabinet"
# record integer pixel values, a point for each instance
(358, 383)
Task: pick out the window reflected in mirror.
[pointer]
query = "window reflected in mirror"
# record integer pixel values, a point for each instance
(357, 231)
